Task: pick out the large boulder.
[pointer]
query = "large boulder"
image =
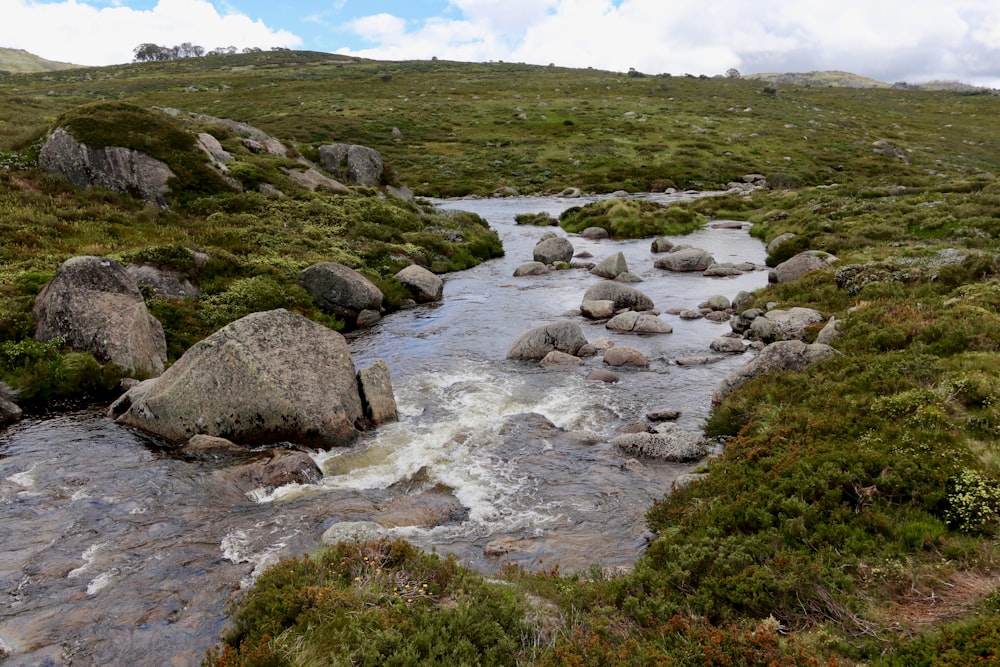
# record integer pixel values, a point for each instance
(623, 296)
(789, 355)
(360, 165)
(95, 306)
(780, 324)
(116, 168)
(559, 336)
(686, 259)
(799, 265)
(422, 284)
(553, 250)
(268, 377)
(633, 322)
(340, 290)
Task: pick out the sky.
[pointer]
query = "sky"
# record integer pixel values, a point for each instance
(888, 40)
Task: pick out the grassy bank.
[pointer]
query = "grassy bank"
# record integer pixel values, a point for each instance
(853, 516)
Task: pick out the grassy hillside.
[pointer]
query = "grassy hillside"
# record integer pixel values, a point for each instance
(19, 61)
(853, 517)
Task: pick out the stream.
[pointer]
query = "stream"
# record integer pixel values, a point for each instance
(115, 552)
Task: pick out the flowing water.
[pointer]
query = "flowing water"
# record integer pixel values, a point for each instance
(115, 552)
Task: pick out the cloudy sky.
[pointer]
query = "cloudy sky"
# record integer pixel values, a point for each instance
(888, 40)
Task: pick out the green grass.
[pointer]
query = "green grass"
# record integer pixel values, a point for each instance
(632, 219)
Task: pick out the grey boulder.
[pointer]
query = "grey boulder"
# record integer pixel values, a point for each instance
(633, 322)
(535, 344)
(672, 446)
(268, 377)
(685, 260)
(422, 284)
(789, 355)
(94, 305)
(340, 290)
(553, 250)
(359, 165)
(623, 296)
(799, 265)
(611, 267)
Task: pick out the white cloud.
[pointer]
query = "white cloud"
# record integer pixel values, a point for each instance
(77, 32)
(890, 40)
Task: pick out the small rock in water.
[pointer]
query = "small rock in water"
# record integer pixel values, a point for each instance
(666, 414)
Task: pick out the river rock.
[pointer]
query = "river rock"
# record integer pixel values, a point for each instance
(425, 510)
(203, 446)
(281, 467)
(116, 168)
(353, 531)
(789, 355)
(377, 397)
(595, 233)
(661, 245)
(359, 165)
(553, 250)
(625, 355)
(557, 358)
(728, 345)
(267, 377)
(602, 375)
(531, 269)
(623, 296)
(663, 415)
(559, 336)
(690, 314)
(742, 300)
(718, 302)
(723, 270)
(632, 322)
(611, 267)
(340, 290)
(673, 446)
(627, 277)
(94, 305)
(600, 309)
(685, 260)
(368, 318)
(422, 284)
(799, 265)
(717, 316)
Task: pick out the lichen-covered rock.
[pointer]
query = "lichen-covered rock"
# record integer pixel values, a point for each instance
(623, 296)
(784, 324)
(116, 168)
(531, 269)
(559, 336)
(268, 377)
(94, 305)
(789, 355)
(728, 345)
(340, 290)
(422, 284)
(672, 446)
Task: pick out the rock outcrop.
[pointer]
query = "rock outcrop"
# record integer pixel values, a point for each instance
(340, 290)
(535, 344)
(116, 168)
(268, 377)
(789, 355)
(95, 306)
(359, 165)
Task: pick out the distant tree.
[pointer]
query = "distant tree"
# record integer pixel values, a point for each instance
(733, 73)
(252, 49)
(149, 52)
